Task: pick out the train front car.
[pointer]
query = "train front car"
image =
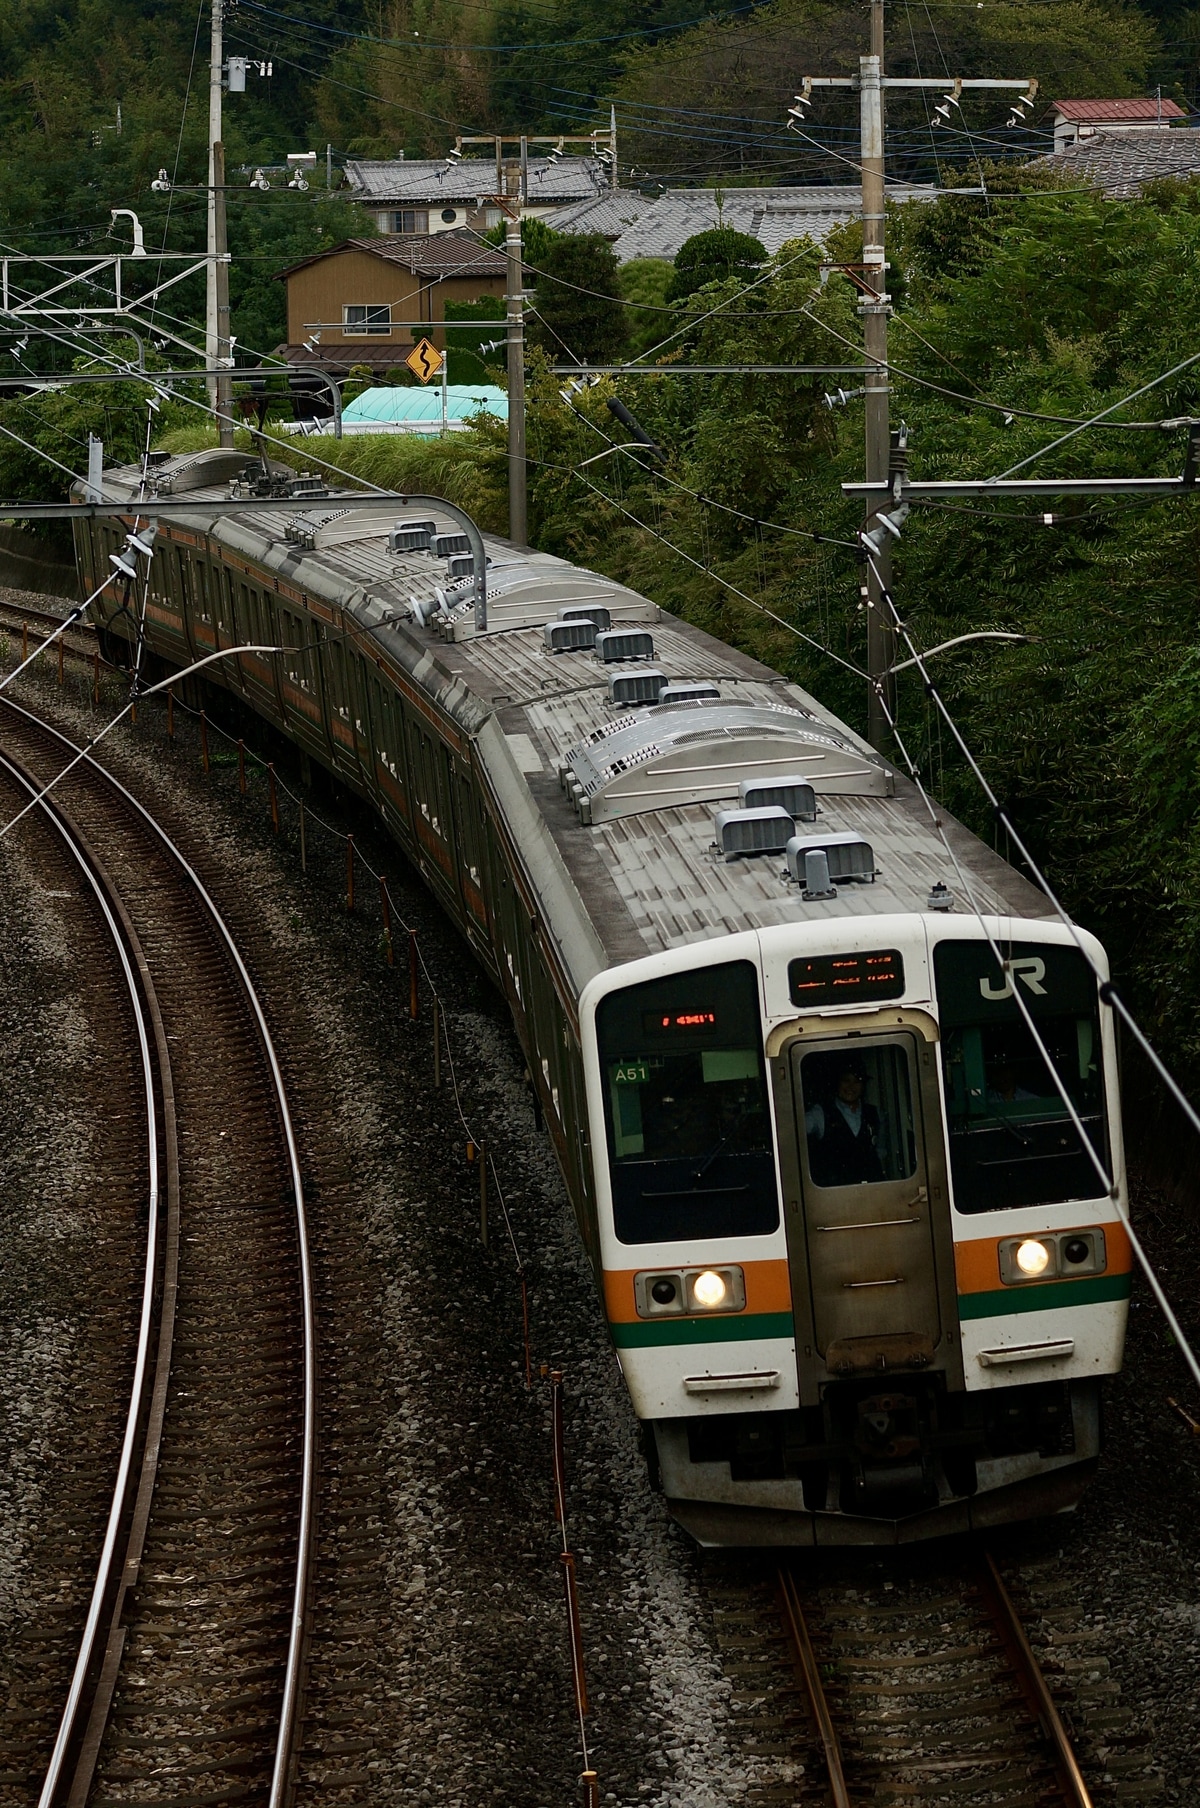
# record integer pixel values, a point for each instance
(862, 1274)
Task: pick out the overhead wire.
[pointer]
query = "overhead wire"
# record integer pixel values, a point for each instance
(1107, 990)
(419, 42)
(707, 570)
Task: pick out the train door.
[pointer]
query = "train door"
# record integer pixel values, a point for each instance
(862, 1235)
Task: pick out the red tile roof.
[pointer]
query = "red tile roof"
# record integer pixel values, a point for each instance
(1122, 112)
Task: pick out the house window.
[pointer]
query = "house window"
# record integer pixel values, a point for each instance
(410, 219)
(492, 216)
(449, 215)
(361, 318)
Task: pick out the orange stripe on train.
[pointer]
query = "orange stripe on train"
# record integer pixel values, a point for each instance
(768, 1288)
(977, 1261)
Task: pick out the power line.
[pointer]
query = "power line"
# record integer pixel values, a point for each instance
(364, 37)
(1107, 990)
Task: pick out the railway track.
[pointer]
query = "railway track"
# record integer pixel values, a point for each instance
(934, 1695)
(917, 1685)
(189, 1638)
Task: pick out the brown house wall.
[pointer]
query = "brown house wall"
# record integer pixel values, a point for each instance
(344, 278)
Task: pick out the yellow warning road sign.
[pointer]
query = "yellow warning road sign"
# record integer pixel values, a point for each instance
(425, 360)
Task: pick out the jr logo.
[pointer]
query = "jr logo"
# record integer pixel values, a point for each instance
(1031, 972)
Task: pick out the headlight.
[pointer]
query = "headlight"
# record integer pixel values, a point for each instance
(678, 1292)
(709, 1289)
(1032, 1258)
(1058, 1255)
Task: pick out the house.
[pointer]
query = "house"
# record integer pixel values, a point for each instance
(451, 194)
(1075, 120)
(1120, 164)
(659, 227)
(367, 301)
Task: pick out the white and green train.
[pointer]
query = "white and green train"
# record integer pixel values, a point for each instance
(862, 1274)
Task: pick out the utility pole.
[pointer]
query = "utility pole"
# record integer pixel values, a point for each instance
(875, 306)
(517, 532)
(216, 336)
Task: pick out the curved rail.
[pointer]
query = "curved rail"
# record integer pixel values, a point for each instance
(113, 1571)
(281, 1769)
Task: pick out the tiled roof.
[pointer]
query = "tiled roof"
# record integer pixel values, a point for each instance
(1119, 164)
(442, 254)
(1089, 112)
(429, 182)
(609, 215)
(771, 215)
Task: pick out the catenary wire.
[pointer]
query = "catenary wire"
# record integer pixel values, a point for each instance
(1107, 991)
(422, 43)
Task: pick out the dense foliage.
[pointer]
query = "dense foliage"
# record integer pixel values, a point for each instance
(577, 314)
(717, 256)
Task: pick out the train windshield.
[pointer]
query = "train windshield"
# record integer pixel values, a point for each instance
(685, 1100)
(1011, 1138)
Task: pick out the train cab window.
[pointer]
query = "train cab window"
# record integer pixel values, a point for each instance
(689, 1131)
(1011, 1138)
(858, 1114)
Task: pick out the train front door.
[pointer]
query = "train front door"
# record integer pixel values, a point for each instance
(861, 1233)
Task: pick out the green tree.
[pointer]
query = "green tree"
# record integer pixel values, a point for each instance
(579, 312)
(721, 255)
(644, 284)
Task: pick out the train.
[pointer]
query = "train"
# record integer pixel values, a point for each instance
(860, 1270)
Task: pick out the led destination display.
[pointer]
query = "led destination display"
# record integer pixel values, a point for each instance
(846, 978)
(679, 1020)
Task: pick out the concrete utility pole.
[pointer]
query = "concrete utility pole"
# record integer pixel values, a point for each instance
(216, 336)
(875, 306)
(517, 532)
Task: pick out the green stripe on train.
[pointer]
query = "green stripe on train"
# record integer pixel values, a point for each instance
(1045, 1296)
(721, 1328)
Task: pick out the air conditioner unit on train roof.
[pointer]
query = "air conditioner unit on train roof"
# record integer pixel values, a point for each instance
(569, 636)
(411, 536)
(792, 792)
(445, 544)
(849, 856)
(624, 643)
(644, 686)
(738, 833)
(596, 613)
(688, 693)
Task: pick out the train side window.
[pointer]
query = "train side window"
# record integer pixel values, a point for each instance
(1011, 1138)
(690, 1147)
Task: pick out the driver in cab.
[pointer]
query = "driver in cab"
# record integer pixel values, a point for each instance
(843, 1134)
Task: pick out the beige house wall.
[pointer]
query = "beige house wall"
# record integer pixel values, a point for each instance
(320, 292)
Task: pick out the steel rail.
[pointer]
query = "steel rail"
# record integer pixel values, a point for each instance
(806, 1659)
(45, 615)
(114, 1551)
(281, 1777)
(1075, 1792)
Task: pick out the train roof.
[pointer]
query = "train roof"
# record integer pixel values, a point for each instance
(627, 795)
